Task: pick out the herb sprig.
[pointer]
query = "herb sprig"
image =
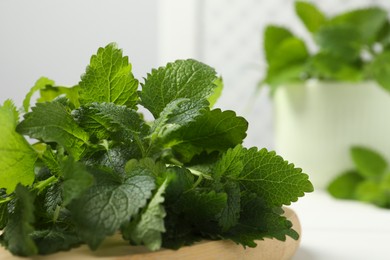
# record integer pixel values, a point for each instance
(97, 167)
(349, 46)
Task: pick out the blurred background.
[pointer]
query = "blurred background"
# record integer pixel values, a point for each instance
(56, 38)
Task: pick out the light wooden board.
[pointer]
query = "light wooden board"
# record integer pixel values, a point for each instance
(116, 249)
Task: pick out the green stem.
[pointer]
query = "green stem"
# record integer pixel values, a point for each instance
(43, 184)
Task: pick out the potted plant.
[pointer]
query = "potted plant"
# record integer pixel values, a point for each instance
(333, 95)
(98, 168)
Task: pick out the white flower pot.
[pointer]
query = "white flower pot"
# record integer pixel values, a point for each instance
(316, 123)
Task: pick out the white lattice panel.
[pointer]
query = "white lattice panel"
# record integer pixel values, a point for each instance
(231, 41)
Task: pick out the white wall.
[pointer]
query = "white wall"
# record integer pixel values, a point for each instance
(56, 38)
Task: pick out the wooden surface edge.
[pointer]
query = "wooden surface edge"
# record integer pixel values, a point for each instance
(116, 249)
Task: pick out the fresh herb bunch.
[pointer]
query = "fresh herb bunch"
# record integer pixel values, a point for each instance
(350, 46)
(368, 182)
(98, 168)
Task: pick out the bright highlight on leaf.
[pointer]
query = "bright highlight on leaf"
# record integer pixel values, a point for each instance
(98, 168)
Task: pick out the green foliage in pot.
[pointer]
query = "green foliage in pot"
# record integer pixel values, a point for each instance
(96, 167)
(368, 182)
(350, 46)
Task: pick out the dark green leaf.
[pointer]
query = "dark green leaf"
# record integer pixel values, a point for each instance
(3, 215)
(181, 79)
(311, 17)
(19, 227)
(212, 131)
(108, 78)
(108, 204)
(272, 178)
(52, 122)
(231, 213)
(53, 240)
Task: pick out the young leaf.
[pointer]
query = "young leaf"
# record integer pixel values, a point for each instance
(270, 177)
(369, 163)
(344, 186)
(109, 204)
(16, 236)
(180, 79)
(41, 83)
(52, 122)
(17, 158)
(108, 78)
(151, 225)
(311, 17)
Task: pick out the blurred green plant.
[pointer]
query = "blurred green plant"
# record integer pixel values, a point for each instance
(368, 182)
(350, 46)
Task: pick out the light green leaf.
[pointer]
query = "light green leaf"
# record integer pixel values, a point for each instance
(49, 93)
(311, 17)
(41, 83)
(17, 158)
(369, 163)
(181, 79)
(52, 122)
(108, 78)
(151, 225)
(107, 205)
(371, 192)
(217, 92)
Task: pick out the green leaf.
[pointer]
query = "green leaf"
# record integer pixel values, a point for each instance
(231, 213)
(369, 163)
(49, 93)
(344, 185)
(176, 114)
(151, 225)
(52, 240)
(101, 120)
(311, 17)
(230, 164)
(212, 131)
(19, 227)
(108, 78)
(180, 79)
(52, 122)
(367, 21)
(3, 215)
(379, 69)
(217, 92)
(76, 180)
(17, 158)
(270, 177)
(342, 41)
(326, 66)
(371, 192)
(273, 37)
(108, 204)
(41, 83)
